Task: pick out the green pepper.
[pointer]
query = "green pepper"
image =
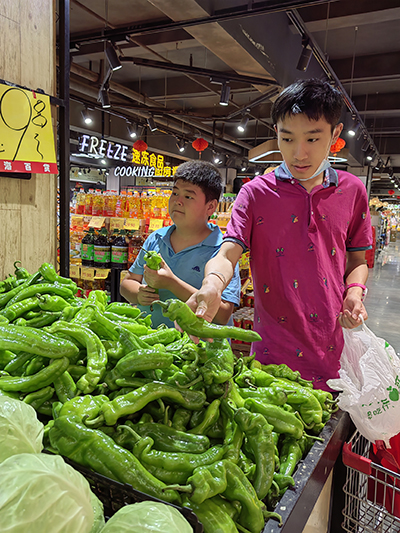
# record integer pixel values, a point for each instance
(153, 259)
(16, 310)
(258, 434)
(13, 395)
(41, 379)
(135, 401)
(68, 313)
(65, 387)
(35, 364)
(133, 383)
(303, 400)
(227, 479)
(169, 439)
(181, 418)
(281, 420)
(10, 294)
(46, 318)
(96, 353)
(274, 395)
(163, 336)
(6, 357)
(97, 451)
(49, 273)
(52, 303)
(129, 340)
(114, 349)
(20, 273)
(124, 309)
(194, 325)
(90, 316)
(40, 288)
(218, 367)
(137, 361)
(291, 454)
(211, 415)
(283, 371)
(36, 342)
(36, 399)
(85, 407)
(17, 362)
(214, 518)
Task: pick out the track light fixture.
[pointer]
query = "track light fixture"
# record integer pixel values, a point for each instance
(112, 56)
(353, 130)
(181, 145)
(365, 145)
(217, 158)
(243, 123)
(132, 130)
(151, 124)
(104, 98)
(244, 166)
(225, 92)
(305, 56)
(86, 116)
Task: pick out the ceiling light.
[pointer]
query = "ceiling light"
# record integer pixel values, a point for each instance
(151, 124)
(353, 130)
(86, 117)
(392, 181)
(181, 145)
(112, 56)
(217, 158)
(103, 162)
(305, 56)
(243, 123)
(104, 98)
(244, 166)
(225, 92)
(132, 130)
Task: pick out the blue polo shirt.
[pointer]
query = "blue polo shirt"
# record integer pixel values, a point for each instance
(188, 265)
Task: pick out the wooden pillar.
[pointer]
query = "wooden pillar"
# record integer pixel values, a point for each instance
(28, 223)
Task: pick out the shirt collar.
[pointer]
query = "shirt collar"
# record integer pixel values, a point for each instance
(330, 178)
(214, 239)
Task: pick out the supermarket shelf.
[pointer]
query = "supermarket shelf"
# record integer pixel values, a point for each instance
(297, 504)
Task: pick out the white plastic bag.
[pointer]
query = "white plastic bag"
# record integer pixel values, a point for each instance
(370, 384)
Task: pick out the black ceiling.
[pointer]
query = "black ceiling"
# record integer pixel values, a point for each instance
(177, 54)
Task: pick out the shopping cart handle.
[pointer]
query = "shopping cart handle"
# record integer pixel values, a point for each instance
(355, 461)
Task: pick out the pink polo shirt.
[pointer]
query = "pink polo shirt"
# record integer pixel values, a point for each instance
(298, 243)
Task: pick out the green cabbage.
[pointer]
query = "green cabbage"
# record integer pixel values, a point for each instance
(20, 430)
(147, 517)
(98, 511)
(41, 493)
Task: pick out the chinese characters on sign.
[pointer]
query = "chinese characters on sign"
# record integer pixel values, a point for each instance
(144, 164)
(26, 132)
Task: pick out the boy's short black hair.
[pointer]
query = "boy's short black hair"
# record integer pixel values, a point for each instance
(203, 174)
(313, 97)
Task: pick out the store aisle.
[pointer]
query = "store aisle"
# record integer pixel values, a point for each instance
(383, 299)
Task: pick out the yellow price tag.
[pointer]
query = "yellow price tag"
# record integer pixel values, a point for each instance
(116, 223)
(155, 223)
(76, 220)
(102, 273)
(74, 271)
(132, 223)
(88, 273)
(97, 222)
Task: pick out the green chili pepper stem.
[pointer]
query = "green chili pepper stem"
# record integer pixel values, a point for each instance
(180, 488)
(270, 514)
(241, 528)
(130, 430)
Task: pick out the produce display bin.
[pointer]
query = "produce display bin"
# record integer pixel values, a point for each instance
(115, 495)
(297, 503)
(370, 491)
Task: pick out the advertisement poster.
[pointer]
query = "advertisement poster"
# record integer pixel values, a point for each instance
(26, 132)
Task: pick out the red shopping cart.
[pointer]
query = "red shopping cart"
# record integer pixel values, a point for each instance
(372, 491)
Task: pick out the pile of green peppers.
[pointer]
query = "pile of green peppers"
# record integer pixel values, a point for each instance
(188, 423)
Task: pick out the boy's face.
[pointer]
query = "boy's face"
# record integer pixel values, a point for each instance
(187, 204)
(304, 143)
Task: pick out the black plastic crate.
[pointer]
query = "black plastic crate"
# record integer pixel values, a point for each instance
(115, 495)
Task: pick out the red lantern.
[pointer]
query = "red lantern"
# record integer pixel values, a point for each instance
(339, 144)
(391, 191)
(398, 197)
(140, 146)
(200, 144)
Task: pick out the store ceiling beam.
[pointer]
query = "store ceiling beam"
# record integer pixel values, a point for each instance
(202, 72)
(242, 11)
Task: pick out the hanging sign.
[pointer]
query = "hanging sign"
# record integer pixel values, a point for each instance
(26, 132)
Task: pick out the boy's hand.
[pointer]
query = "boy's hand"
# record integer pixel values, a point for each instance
(159, 279)
(353, 310)
(146, 295)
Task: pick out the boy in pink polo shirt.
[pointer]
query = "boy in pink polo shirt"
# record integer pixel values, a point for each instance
(307, 227)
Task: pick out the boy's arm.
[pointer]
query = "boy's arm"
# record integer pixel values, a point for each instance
(217, 275)
(353, 307)
(133, 290)
(164, 278)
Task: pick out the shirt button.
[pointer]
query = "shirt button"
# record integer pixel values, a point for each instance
(312, 212)
(292, 182)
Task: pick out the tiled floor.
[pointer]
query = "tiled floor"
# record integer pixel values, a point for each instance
(383, 299)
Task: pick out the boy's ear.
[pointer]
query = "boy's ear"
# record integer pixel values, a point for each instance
(212, 206)
(336, 132)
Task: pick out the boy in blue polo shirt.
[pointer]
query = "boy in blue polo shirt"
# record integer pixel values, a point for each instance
(185, 247)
